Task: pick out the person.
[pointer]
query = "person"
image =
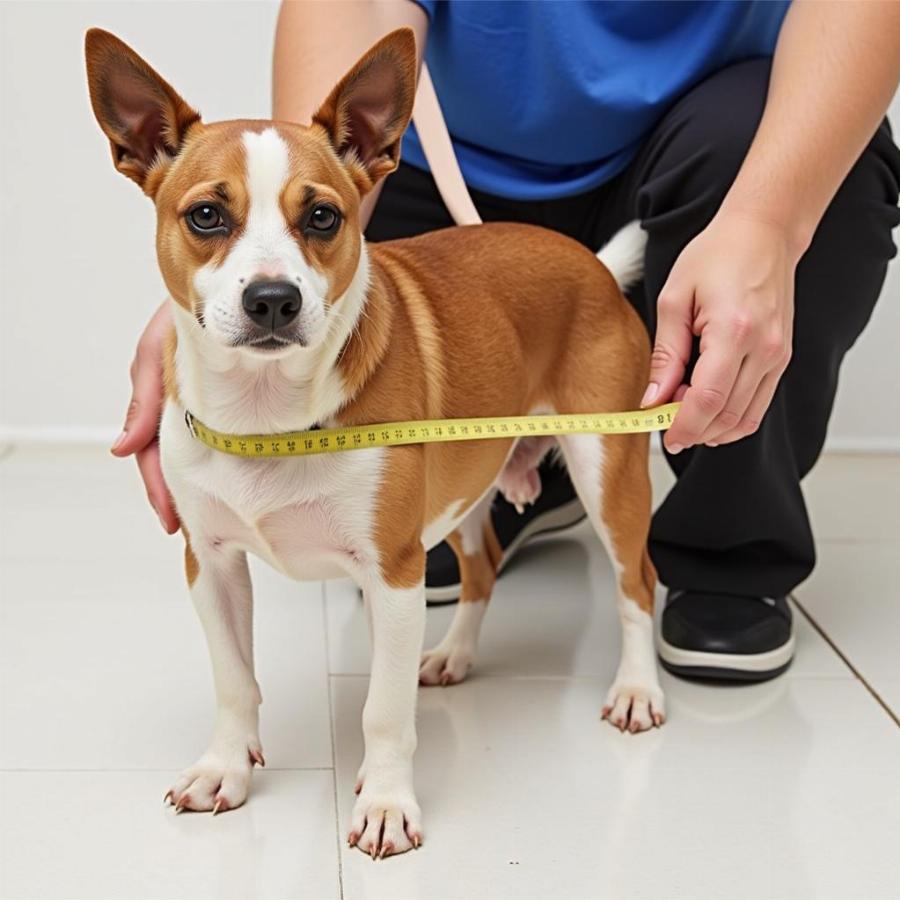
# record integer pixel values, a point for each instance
(749, 139)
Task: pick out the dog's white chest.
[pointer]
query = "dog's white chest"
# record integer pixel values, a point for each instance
(309, 517)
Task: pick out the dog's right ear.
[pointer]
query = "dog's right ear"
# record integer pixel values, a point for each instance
(141, 114)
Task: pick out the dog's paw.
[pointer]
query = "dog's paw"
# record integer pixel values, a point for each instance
(218, 781)
(634, 707)
(446, 663)
(385, 822)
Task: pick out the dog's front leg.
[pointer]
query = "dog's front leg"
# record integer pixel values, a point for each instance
(221, 591)
(386, 817)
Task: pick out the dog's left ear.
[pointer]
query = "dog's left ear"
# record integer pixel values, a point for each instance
(142, 115)
(368, 111)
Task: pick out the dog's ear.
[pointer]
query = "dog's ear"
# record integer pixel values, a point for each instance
(141, 114)
(368, 111)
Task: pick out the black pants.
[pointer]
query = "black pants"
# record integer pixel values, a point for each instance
(736, 521)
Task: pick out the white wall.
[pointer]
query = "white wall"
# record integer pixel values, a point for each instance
(78, 277)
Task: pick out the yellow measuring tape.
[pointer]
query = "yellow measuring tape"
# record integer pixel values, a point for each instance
(429, 431)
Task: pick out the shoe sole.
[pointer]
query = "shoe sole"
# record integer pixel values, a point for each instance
(725, 666)
(554, 521)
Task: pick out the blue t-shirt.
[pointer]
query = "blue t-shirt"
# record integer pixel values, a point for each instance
(551, 98)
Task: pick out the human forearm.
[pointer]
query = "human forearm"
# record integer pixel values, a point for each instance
(316, 42)
(835, 70)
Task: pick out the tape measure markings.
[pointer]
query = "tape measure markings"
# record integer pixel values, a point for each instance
(430, 431)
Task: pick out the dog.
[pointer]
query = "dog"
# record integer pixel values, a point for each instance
(285, 320)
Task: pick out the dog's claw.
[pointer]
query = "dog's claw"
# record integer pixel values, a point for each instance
(219, 806)
(258, 758)
(167, 800)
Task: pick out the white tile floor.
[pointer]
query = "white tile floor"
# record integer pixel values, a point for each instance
(789, 789)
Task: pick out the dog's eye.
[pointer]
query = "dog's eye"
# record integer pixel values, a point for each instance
(205, 219)
(323, 220)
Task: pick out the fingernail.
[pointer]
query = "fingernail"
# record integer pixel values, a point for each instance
(711, 444)
(675, 449)
(650, 394)
(118, 441)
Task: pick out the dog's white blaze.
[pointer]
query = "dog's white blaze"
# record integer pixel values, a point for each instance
(267, 238)
(267, 172)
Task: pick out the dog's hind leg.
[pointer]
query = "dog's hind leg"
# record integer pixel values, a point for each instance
(478, 553)
(611, 477)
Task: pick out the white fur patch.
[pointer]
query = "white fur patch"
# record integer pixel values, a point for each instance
(309, 517)
(267, 172)
(238, 391)
(436, 530)
(471, 530)
(623, 255)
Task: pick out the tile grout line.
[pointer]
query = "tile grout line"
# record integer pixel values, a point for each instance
(334, 780)
(597, 677)
(865, 683)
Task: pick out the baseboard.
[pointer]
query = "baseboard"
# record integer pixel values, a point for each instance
(881, 444)
(59, 434)
(105, 434)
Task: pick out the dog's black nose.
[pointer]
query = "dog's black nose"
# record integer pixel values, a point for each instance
(272, 304)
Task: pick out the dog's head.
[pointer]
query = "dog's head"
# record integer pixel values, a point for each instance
(258, 233)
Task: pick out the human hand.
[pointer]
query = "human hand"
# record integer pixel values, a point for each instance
(140, 433)
(733, 287)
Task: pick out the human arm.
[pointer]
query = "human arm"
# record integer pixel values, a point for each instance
(835, 69)
(316, 43)
(139, 433)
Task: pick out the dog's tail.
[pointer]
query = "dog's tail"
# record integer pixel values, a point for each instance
(623, 255)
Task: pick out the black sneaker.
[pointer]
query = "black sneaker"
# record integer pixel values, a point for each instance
(725, 636)
(557, 509)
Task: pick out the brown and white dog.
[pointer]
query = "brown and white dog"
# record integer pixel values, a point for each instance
(284, 319)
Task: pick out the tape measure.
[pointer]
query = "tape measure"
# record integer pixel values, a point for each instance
(429, 431)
